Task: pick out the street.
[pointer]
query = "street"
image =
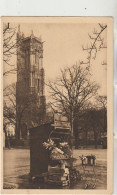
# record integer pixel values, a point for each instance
(17, 167)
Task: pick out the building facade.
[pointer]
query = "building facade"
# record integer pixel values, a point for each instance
(30, 95)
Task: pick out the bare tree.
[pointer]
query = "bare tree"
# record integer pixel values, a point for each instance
(14, 114)
(97, 44)
(92, 120)
(101, 104)
(95, 118)
(8, 119)
(71, 90)
(9, 115)
(9, 48)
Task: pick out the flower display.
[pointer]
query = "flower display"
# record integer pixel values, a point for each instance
(49, 144)
(57, 150)
(63, 144)
(62, 151)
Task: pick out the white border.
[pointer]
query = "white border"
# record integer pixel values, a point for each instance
(58, 8)
(70, 8)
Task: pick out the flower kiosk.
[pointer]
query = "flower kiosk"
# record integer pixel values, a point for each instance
(50, 153)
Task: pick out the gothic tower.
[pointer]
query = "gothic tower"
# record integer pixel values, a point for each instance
(30, 83)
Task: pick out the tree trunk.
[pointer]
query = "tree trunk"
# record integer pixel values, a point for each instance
(6, 139)
(86, 137)
(72, 129)
(95, 138)
(18, 129)
(75, 130)
(72, 139)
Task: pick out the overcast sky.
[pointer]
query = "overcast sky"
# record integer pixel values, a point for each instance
(63, 47)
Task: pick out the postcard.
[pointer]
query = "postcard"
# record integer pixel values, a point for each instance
(57, 127)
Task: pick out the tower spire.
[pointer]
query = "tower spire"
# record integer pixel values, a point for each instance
(18, 28)
(18, 32)
(32, 35)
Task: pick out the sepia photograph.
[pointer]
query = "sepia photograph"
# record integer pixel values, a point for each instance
(57, 104)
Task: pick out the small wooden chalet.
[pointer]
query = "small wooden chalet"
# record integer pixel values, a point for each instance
(58, 130)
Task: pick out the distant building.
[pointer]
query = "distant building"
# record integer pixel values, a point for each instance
(10, 130)
(30, 81)
(90, 129)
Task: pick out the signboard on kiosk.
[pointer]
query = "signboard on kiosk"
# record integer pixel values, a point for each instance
(61, 121)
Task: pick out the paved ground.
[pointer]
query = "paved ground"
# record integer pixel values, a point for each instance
(100, 168)
(16, 163)
(17, 167)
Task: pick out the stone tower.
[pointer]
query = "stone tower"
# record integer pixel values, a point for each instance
(30, 83)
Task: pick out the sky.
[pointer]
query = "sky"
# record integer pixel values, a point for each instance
(63, 47)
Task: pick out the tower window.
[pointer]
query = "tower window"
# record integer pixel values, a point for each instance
(35, 58)
(38, 85)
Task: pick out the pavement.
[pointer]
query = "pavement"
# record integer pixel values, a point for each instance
(17, 167)
(100, 167)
